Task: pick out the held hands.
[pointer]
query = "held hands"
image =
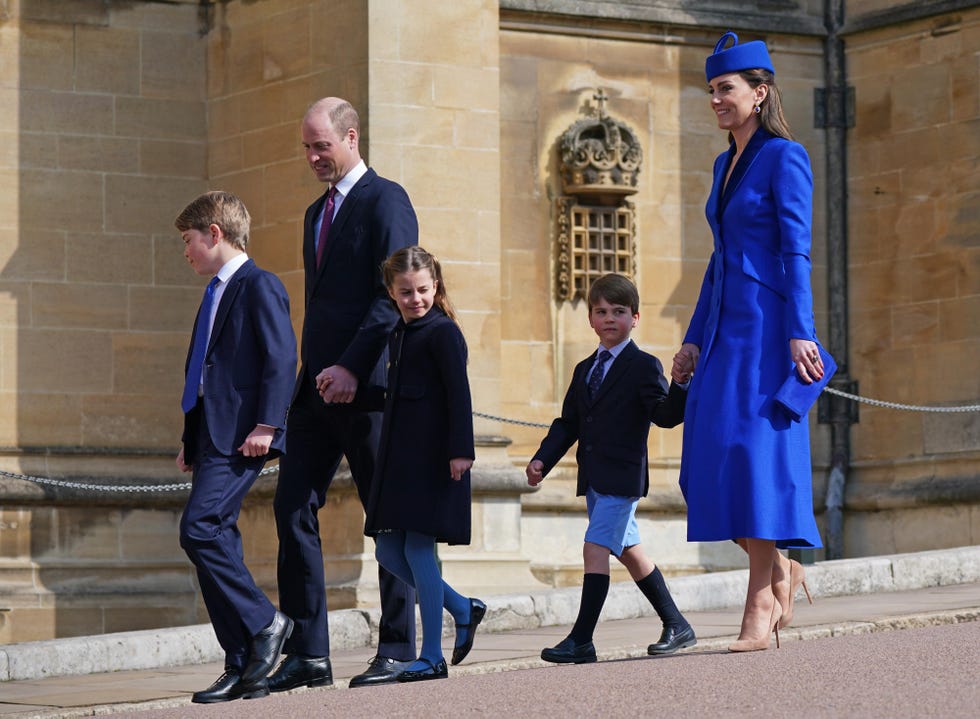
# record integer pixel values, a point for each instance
(258, 441)
(336, 384)
(534, 472)
(806, 356)
(459, 466)
(685, 361)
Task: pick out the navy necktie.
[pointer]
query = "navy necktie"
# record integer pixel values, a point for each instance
(598, 372)
(321, 245)
(196, 365)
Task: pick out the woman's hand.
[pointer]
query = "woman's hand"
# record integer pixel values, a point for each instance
(806, 357)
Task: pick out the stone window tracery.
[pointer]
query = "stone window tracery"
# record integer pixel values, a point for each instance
(596, 228)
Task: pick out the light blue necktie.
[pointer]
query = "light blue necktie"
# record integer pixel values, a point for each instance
(598, 372)
(193, 380)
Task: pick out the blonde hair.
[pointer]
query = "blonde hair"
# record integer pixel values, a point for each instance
(416, 259)
(219, 208)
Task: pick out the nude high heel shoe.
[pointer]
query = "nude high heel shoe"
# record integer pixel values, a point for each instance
(755, 645)
(797, 578)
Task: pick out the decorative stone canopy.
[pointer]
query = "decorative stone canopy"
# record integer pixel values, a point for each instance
(600, 158)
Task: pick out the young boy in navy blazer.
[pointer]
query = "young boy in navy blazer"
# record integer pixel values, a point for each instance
(238, 382)
(614, 396)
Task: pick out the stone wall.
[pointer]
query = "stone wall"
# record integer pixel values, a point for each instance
(115, 114)
(914, 267)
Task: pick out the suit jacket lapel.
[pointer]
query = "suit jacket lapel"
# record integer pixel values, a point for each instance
(751, 152)
(227, 298)
(616, 369)
(347, 208)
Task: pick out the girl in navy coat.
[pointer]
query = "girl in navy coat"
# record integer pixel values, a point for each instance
(745, 470)
(421, 490)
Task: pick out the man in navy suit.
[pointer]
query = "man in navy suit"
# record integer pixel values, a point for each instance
(238, 378)
(347, 233)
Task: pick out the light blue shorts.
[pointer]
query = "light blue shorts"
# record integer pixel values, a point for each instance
(612, 521)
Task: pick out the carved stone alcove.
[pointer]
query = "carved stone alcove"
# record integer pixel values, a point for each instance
(596, 224)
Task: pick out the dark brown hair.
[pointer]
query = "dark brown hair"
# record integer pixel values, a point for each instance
(616, 290)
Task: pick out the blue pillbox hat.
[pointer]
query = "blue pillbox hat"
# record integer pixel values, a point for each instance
(747, 56)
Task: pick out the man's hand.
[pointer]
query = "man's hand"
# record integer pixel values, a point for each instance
(258, 441)
(336, 384)
(534, 469)
(458, 467)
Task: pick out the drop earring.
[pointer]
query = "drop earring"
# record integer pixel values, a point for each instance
(758, 108)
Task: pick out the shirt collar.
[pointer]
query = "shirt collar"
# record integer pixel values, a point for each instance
(231, 267)
(346, 183)
(614, 351)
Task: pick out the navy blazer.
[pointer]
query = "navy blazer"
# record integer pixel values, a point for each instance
(348, 311)
(250, 363)
(612, 428)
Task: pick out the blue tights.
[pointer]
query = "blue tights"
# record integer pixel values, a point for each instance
(411, 557)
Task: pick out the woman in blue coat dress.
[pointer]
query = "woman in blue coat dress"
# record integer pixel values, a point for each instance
(745, 470)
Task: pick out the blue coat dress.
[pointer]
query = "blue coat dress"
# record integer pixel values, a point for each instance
(745, 470)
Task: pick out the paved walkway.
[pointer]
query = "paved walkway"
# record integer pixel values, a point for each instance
(136, 692)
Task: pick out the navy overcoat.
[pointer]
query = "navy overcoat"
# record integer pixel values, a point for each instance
(428, 420)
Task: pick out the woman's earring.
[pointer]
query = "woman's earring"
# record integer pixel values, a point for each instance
(758, 109)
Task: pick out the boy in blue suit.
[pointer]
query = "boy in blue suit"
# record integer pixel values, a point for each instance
(614, 396)
(239, 378)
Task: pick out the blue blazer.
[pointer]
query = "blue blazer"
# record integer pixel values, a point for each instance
(772, 179)
(250, 363)
(348, 311)
(612, 428)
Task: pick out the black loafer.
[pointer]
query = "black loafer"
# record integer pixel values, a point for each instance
(381, 670)
(477, 610)
(439, 670)
(229, 686)
(568, 652)
(673, 638)
(297, 671)
(266, 647)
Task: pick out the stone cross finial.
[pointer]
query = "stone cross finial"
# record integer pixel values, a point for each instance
(601, 97)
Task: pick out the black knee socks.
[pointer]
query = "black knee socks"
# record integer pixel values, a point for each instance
(595, 587)
(654, 588)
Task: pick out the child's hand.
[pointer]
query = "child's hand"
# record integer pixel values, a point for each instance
(181, 464)
(534, 469)
(459, 466)
(258, 441)
(684, 362)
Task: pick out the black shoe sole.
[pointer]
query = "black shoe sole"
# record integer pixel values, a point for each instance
(660, 652)
(318, 682)
(563, 659)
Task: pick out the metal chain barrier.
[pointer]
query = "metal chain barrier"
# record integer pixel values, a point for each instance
(183, 486)
(895, 405)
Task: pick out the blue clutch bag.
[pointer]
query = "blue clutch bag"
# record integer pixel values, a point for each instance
(796, 396)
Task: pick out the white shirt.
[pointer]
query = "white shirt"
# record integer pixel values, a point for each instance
(344, 185)
(226, 272)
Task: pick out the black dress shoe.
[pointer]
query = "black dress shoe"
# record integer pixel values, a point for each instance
(568, 652)
(229, 686)
(381, 670)
(673, 638)
(296, 671)
(433, 671)
(468, 631)
(266, 647)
